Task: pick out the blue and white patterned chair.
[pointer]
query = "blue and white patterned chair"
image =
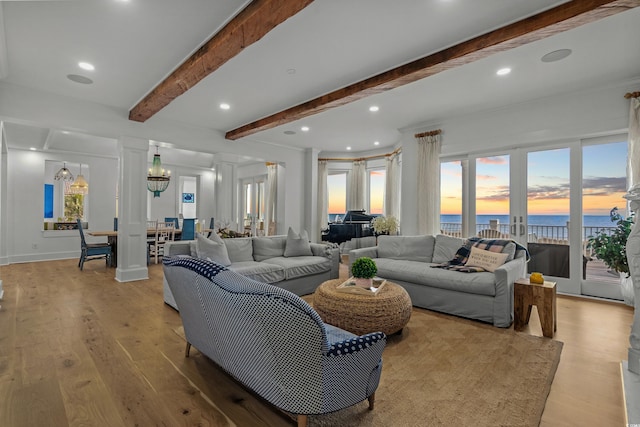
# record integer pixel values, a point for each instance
(272, 341)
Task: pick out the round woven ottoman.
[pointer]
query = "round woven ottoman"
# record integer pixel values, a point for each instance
(388, 312)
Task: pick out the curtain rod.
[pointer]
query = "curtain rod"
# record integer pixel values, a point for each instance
(430, 133)
(632, 95)
(377, 156)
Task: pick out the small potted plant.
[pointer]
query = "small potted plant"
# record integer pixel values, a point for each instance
(363, 271)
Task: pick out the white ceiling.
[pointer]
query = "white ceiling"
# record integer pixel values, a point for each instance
(329, 44)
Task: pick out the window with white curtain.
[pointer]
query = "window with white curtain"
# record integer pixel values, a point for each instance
(337, 194)
(376, 183)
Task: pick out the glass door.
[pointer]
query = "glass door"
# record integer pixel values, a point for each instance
(253, 191)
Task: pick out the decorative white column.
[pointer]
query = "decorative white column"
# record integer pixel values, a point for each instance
(633, 257)
(132, 210)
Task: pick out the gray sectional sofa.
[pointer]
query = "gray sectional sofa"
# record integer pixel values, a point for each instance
(408, 261)
(298, 267)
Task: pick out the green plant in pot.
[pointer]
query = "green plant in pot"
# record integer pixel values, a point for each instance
(610, 247)
(363, 271)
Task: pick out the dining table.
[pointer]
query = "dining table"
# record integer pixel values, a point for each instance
(112, 238)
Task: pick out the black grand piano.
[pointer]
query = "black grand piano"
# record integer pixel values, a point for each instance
(356, 223)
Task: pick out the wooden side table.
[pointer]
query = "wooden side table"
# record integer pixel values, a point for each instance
(543, 297)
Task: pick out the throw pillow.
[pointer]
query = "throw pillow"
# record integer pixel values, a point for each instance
(446, 248)
(297, 244)
(212, 251)
(487, 260)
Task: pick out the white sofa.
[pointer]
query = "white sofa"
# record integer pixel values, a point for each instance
(264, 259)
(408, 261)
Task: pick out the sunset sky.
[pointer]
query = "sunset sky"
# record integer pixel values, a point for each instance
(604, 183)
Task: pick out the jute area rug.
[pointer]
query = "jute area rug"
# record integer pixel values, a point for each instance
(448, 371)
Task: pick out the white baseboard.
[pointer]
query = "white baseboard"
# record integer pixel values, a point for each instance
(631, 389)
(1, 290)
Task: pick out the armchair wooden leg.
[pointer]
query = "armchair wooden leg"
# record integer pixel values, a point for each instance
(372, 400)
(186, 351)
(302, 420)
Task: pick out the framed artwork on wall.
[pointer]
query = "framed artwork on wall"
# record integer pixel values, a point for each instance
(188, 198)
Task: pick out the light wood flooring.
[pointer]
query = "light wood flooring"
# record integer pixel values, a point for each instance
(81, 349)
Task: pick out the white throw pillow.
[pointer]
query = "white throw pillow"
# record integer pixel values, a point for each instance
(212, 251)
(485, 259)
(297, 244)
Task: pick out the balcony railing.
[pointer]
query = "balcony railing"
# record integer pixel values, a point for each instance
(536, 233)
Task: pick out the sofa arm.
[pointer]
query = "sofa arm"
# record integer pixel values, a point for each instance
(354, 254)
(506, 275)
(328, 251)
(178, 247)
(354, 364)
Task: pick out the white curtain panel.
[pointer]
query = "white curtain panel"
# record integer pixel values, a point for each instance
(323, 197)
(357, 181)
(270, 197)
(429, 184)
(634, 142)
(392, 186)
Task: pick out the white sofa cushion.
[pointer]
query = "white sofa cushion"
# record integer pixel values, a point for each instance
(260, 271)
(240, 249)
(297, 244)
(446, 248)
(212, 250)
(301, 266)
(422, 274)
(268, 247)
(412, 248)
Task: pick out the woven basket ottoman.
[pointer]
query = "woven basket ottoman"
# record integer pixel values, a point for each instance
(388, 312)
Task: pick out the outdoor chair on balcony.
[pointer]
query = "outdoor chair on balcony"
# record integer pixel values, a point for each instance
(91, 251)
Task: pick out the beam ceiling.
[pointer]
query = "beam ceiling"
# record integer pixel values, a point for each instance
(249, 26)
(545, 24)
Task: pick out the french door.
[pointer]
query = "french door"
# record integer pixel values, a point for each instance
(551, 200)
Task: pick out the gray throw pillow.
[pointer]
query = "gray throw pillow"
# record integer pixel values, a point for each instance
(212, 251)
(297, 244)
(240, 249)
(446, 248)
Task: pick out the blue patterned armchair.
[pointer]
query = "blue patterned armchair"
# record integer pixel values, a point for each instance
(272, 341)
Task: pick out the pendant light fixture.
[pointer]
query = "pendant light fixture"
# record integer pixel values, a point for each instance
(63, 174)
(80, 185)
(158, 179)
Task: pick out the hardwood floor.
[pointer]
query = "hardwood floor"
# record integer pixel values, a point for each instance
(79, 348)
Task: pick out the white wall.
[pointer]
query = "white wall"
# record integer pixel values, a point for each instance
(25, 237)
(596, 112)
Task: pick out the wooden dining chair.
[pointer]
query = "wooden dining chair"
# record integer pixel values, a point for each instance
(91, 251)
(165, 232)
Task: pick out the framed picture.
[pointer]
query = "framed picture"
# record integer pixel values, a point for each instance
(188, 198)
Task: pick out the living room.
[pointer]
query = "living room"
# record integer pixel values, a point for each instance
(70, 122)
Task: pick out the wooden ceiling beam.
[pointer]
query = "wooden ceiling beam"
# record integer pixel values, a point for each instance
(246, 28)
(545, 24)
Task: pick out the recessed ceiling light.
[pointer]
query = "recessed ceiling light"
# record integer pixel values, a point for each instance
(79, 79)
(374, 108)
(289, 132)
(304, 128)
(224, 106)
(376, 143)
(556, 55)
(291, 70)
(348, 148)
(503, 71)
(86, 66)
(32, 148)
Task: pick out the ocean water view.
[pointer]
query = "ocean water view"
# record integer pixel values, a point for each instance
(546, 220)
